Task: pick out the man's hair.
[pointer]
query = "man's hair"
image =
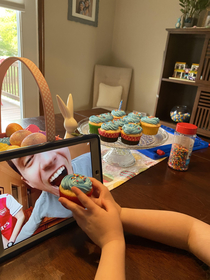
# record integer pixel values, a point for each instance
(12, 165)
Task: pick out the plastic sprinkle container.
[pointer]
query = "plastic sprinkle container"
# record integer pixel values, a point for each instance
(181, 149)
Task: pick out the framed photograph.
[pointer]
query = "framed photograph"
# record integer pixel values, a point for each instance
(1, 190)
(83, 11)
(206, 21)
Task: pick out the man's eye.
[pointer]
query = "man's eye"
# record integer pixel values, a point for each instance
(28, 161)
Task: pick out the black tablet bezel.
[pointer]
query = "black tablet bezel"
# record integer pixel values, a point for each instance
(95, 151)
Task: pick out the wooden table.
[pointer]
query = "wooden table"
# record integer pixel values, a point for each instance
(69, 254)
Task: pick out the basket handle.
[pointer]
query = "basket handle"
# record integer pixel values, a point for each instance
(43, 88)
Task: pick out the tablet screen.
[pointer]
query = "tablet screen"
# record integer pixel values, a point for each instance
(29, 190)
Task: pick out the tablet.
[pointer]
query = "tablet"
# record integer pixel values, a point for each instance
(29, 180)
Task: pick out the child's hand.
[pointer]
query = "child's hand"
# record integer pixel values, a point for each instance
(101, 192)
(102, 225)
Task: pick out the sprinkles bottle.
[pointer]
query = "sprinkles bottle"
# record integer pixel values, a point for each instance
(182, 146)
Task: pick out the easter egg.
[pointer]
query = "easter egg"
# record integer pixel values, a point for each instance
(11, 128)
(33, 139)
(17, 137)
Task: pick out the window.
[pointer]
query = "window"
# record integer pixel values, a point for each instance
(27, 19)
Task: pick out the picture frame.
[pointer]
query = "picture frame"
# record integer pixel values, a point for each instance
(84, 11)
(206, 20)
(1, 190)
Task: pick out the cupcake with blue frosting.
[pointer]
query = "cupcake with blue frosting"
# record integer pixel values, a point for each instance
(75, 180)
(120, 122)
(118, 114)
(136, 113)
(132, 119)
(108, 117)
(150, 125)
(95, 123)
(131, 134)
(109, 132)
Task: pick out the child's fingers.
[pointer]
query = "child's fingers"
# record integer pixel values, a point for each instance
(96, 184)
(84, 199)
(108, 205)
(68, 204)
(98, 187)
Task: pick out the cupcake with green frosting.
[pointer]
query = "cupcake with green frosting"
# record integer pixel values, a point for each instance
(150, 125)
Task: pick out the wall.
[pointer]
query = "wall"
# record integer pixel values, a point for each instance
(139, 39)
(72, 49)
(130, 33)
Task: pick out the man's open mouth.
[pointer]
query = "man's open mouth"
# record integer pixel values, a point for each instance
(57, 177)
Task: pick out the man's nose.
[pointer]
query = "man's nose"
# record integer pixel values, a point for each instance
(47, 160)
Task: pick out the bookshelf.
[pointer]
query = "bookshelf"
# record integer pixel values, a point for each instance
(190, 45)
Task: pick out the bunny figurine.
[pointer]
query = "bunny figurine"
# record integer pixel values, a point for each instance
(70, 124)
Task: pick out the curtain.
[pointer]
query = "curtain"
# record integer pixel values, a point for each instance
(13, 4)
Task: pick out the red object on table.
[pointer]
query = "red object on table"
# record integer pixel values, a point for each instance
(160, 152)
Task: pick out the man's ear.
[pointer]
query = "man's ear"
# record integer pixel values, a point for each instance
(26, 181)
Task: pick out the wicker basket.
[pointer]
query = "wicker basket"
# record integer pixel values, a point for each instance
(43, 89)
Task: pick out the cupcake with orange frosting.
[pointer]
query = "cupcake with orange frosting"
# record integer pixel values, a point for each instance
(150, 125)
(75, 180)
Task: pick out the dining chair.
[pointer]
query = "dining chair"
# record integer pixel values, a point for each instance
(111, 85)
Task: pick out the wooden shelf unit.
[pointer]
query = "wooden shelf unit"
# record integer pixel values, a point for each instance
(190, 45)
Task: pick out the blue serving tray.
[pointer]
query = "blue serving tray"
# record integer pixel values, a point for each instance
(152, 152)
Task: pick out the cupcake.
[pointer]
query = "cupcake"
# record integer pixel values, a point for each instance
(132, 119)
(107, 116)
(120, 122)
(95, 123)
(118, 114)
(135, 113)
(75, 180)
(109, 132)
(150, 125)
(131, 134)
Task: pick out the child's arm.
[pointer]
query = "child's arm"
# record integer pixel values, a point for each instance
(20, 219)
(171, 228)
(112, 262)
(5, 241)
(104, 227)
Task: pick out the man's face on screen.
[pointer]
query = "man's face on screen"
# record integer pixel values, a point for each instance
(45, 171)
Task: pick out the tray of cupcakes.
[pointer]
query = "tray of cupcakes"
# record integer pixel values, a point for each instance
(129, 131)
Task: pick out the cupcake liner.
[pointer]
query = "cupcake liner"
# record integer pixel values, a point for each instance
(149, 130)
(94, 128)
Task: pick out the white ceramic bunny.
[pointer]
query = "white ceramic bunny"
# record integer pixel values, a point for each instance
(70, 124)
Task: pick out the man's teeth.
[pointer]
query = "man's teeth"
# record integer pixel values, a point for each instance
(57, 173)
